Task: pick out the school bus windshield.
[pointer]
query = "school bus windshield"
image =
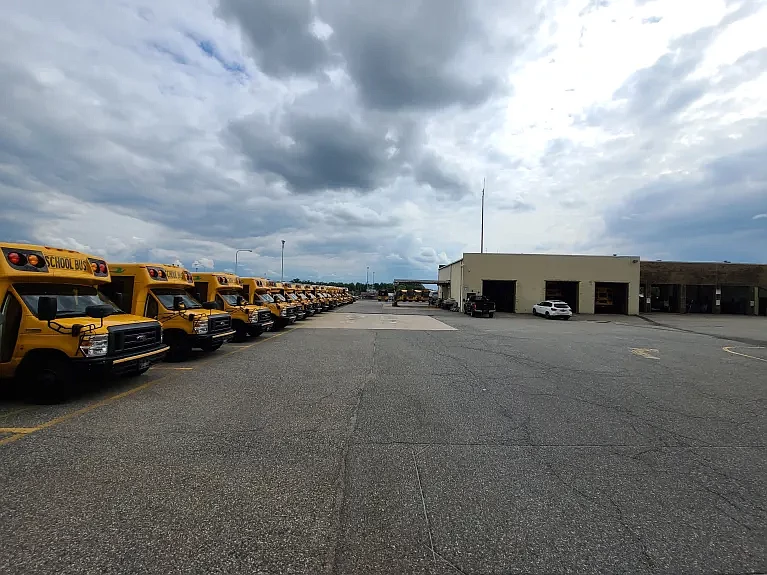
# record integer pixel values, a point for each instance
(265, 297)
(167, 295)
(230, 296)
(279, 297)
(72, 300)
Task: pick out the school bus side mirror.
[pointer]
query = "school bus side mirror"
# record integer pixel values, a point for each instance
(47, 308)
(240, 300)
(178, 303)
(209, 305)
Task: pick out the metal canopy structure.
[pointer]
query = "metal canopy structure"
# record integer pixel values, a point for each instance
(406, 281)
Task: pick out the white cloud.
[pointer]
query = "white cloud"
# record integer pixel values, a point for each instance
(759, 217)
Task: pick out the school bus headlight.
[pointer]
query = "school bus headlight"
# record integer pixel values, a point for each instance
(201, 328)
(253, 317)
(94, 345)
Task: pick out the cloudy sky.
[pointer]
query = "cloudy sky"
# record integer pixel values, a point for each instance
(360, 131)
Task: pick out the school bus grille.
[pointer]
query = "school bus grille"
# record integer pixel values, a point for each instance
(219, 323)
(128, 339)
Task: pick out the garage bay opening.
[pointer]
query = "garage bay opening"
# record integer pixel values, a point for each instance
(566, 291)
(611, 297)
(502, 292)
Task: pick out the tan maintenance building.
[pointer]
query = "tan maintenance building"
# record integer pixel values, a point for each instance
(516, 282)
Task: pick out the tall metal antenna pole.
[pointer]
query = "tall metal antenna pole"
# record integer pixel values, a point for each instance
(482, 228)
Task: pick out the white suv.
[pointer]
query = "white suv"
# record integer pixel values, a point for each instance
(553, 308)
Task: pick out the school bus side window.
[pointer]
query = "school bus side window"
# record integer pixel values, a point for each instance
(151, 309)
(10, 321)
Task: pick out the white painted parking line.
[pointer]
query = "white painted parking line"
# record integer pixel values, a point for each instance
(645, 352)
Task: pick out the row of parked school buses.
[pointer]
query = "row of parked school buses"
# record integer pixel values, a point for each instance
(64, 313)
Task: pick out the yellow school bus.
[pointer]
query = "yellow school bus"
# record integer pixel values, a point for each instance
(55, 324)
(259, 291)
(161, 292)
(225, 292)
(288, 292)
(302, 293)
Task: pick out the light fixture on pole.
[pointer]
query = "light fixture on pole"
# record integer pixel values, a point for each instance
(237, 253)
(282, 264)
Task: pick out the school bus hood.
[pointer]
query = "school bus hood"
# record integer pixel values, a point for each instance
(109, 321)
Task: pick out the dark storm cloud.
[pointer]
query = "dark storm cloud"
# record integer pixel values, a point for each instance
(431, 171)
(419, 55)
(410, 55)
(279, 34)
(315, 153)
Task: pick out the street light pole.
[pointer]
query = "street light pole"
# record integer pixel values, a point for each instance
(367, 277)
(282, 264)
(237, 253)
(374, 280)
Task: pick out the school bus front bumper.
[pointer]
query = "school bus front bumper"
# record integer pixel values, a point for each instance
(119, 364)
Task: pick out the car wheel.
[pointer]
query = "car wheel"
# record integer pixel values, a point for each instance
(566, 317)
(491, 314)
(535, 312)
(548, 315)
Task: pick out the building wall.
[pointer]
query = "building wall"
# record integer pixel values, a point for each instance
(531, 272)
(703, 273)
(753, 276)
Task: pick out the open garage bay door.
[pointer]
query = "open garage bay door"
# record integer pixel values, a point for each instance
(610, 297)
(502, 292)
(564, 291)
(700, 299)
(736, 300)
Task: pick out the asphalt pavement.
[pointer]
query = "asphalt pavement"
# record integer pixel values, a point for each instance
(505, 445)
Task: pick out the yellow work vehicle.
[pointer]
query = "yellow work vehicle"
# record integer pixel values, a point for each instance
(383, 295)
(161, 292)
(258, 291)
(56, 325)
(225, 292)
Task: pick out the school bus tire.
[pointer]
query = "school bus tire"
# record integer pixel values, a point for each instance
(179, 343)
(46, 376)
(240, 331)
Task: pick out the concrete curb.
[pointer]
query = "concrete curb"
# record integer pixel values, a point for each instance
(739, 339)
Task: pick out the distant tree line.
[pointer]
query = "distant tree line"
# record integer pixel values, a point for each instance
(358, 287)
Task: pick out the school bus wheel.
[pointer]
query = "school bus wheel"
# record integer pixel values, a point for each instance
(46, 376)
(179, 343)
(240, 331)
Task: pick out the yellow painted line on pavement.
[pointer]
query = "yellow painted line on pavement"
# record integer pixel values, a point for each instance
(645, 352)
(23, 432)
(729, 349)
(17, 429)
